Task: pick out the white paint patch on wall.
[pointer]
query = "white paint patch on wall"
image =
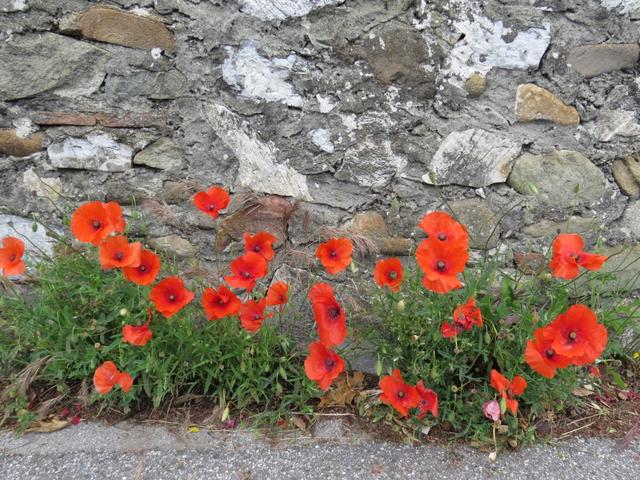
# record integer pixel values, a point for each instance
(281, 9)
(255, 76)
(484, 47)
(321, 138)
(258, 168)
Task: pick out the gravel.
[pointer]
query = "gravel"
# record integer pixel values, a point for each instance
(129, 451)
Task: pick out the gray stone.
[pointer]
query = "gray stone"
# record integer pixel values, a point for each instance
(282, 9)
(47, 187)
(630, 221)
(615, 123)
(371, 163)
(474, 158)
(36, 240)
(162, 154)
(14, 6)
(593, 60)
(154, 85)
(95, 152)
(43, 62)
(548, 228)
(624, 264)
(173, 245)
(561, 179)
(481, 221)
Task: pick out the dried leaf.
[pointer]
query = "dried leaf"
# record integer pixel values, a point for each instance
(344, 392)
(582, 392)
(377, 469)
(52, 424)
(299, 422)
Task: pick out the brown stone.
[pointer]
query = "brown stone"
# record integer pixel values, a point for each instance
(627, 175)
(536, 103)
(372, 226)
(120, 27)
(475, 85)
(12, 144)
(530, 263)
(125, 120)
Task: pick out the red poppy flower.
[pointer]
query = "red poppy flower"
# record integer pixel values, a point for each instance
(541, 356)
(11, 253)
(465, 316)
(212, 201)
(170, 295)
(323, 365)
(428, 400)
(95, 221)
(246, 270)
(251, 314)
(335, 254)
(398, 394)
(107, 376)
(389, 272)
(442, 227)
(441, 263)
(146, 271)
(260, 243)
(117, 252)
(578, 335)
(569, 256)
(278, 294)
(329, 315)
(138, 335)
(508, 389)
(220, 303)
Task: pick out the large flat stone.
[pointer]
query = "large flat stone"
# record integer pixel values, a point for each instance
(536, 103)
(95, 152)
(480, 220)
(560, 179)
(474, 158)
(120, 27)
(593, 60)
(162, 154)
(627, 175)
(41, 62)
(11, 143)
(36, 241)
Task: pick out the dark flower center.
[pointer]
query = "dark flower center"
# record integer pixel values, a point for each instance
(12, 258)
(96, 224)
(334, 312)
(440, 265)
(442, 236)
(393, 274)
(573, 336)
(256, 317)
(333, 254)
(401, 394)
(256, 248)
(212, 207)
(172, 298)
(221, 301)
(549, 352)
(246, 274)
(119, 256)
(142, 268)
(329, 363)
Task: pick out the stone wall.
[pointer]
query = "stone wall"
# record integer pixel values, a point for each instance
(325, 113)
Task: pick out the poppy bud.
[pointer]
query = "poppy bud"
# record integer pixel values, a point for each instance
(97, 345)
(487, 337)
(454, 389)
(353, 267)
(400, 306)
(34, 227)
(378, 367)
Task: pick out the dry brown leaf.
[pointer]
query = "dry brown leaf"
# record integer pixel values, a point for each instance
(344, 392)
(49, 425)
(582, 392)
(299, 422)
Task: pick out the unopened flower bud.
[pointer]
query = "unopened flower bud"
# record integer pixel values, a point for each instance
(400, 306)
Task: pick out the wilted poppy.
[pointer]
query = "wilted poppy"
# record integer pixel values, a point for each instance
(220, 303)
(388, 272)
(117, 252)
(329, 314)
(508, 389)
(138, 335)
(260, 243)
(398, 394)
(251, 314)
(491, 410)
(212, 201)
(246, 269)
(107, 376)
(441, 263)
(335, 254)
(428, 400)
(569, 256)
(170, 295)
(442, 227)
(323, 365)
(95, 221)
(11, 262)
(541, 356)
(146, 271)
(578, 335)
(465, 316)
(278, 294)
